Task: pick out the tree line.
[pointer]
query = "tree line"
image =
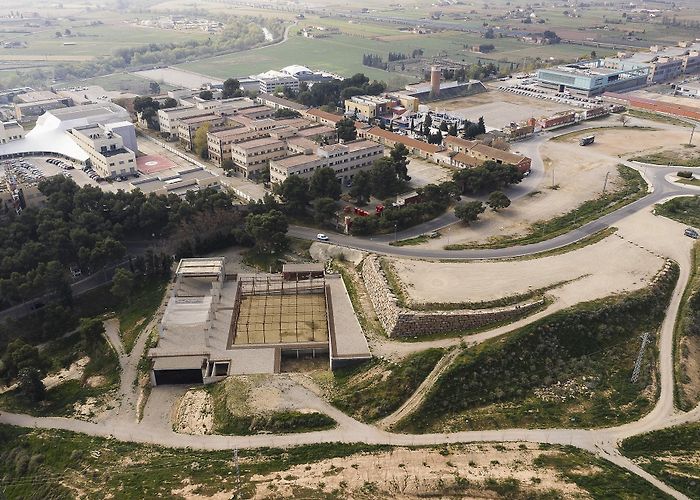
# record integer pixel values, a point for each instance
(85, 228)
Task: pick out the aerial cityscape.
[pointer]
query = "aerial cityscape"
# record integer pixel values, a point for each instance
(355, 250)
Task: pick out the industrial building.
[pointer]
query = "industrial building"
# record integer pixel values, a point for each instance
(35, 103)
(593, 78)
(345, 159)
(218, 324)
(10, 131)
(50, 135)
(177, 182)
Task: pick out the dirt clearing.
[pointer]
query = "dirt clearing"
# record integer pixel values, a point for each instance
(403, 473)
(610, 266)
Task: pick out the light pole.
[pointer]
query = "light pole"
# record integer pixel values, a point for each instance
(692, 132)
(394, 232)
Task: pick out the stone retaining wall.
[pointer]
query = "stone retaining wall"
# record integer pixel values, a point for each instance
(399, 321)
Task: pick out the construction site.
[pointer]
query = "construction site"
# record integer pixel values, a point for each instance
(217, 324)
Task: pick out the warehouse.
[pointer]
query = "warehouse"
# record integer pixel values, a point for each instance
(589, 79)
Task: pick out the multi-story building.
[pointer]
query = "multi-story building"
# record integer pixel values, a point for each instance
(10, 131)
(168, 118)
(345, 159)
(219, 142)
(251, 158)
(271, 81)
(187, 127)
(390, 139)
(107, 154)
(366, 107)
(663, 69)
(593, 78)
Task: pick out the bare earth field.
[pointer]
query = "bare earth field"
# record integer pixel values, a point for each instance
(405, 473)
(578, 174)
(499, 108)
(624, 261)
(609, 266)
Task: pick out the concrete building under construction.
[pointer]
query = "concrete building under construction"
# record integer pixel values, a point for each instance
(218, 324)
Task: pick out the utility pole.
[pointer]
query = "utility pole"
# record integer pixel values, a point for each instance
(605, 183)
(394, 232)
(692, 132)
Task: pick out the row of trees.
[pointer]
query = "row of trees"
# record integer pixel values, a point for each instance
(374, 61)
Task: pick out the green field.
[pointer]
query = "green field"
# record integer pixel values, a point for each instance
(92, 41)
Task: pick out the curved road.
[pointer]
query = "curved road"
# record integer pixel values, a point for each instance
(603, 442)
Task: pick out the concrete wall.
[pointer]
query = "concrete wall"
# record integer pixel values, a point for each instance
(402, 322)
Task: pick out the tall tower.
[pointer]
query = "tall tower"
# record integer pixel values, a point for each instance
(435, 81)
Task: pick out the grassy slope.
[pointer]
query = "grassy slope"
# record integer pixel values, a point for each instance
(502, 382)
(277, 422)
(684, 209)
(671, 455)
(378, 388)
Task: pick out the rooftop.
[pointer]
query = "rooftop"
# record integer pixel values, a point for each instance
(284, 102)
(264, 141)
(295, 161)
(407, 141)
(201, 267)
(324, 114)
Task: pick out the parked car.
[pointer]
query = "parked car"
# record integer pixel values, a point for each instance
(321, 237)
(692, 233)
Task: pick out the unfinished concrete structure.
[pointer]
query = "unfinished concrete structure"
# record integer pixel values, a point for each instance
(217, 325)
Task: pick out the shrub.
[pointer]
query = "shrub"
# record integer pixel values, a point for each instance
(685, 174)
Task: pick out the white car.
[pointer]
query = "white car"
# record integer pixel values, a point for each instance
(321, 237)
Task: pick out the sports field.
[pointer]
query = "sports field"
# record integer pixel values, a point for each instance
(290, 318)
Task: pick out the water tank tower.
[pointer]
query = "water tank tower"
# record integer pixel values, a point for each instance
(435, 81)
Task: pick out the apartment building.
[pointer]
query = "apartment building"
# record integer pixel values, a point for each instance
(107, 154)
(252, 157)
(345, 159)
(10, 131)
(168, 118)
(187, 127)
(219, 142)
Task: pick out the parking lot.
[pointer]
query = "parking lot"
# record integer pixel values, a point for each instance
(530, 89)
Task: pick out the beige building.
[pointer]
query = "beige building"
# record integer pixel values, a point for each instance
(32, 104)
(108, 156)
(187, 127)
(10, 131)
(168, 118)
(367, 106)
(346, 159)
(251, 158)
(219, 142)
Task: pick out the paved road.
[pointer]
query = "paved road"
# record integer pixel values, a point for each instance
(661, 189)
(603, 442)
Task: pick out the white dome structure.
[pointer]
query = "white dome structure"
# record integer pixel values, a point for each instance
(297, 70)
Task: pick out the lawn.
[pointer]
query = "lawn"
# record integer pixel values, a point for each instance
(571, 369)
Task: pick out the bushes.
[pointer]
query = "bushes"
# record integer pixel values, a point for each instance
(685, 174)
(685, 209)
(372, 397)
(598, 339)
